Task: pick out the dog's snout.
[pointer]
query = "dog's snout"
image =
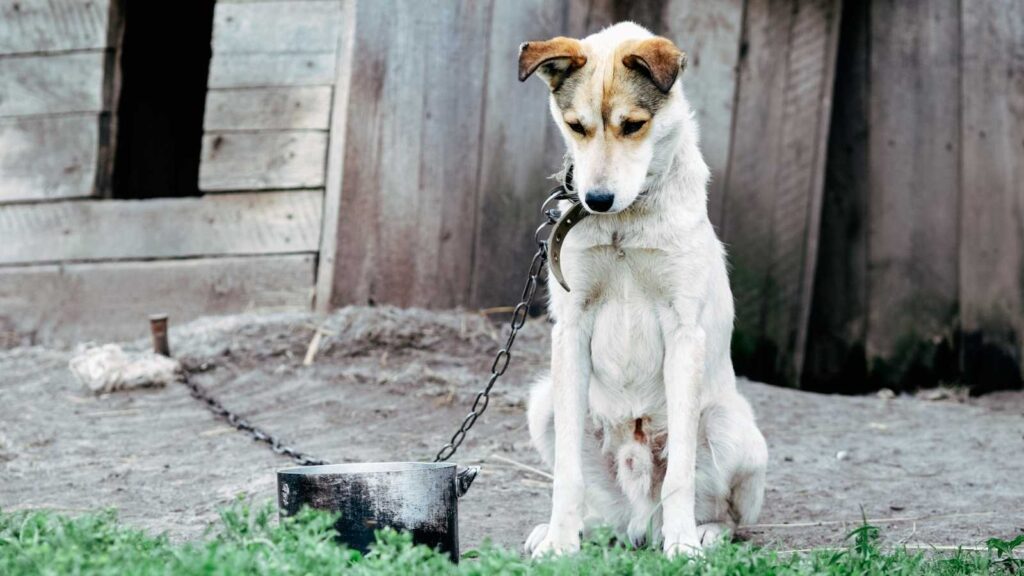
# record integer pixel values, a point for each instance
(599, 199)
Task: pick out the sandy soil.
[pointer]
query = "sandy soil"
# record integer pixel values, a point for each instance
(391, 384)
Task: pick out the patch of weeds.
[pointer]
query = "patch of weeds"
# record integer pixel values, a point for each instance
(252, 541)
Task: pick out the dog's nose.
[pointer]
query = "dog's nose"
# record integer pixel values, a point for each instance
(599, 199)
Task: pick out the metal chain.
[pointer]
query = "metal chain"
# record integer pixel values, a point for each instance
(519, 314)
(483, 398)
(258, 434)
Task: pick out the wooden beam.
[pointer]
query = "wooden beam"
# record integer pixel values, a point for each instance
(991, 253)
(262, 160)
(230, 224)
(519, 148)
(772, 204)
(46, 157)
(52, 84)
(293, 108)
(913, 207)
(256, 70)
(35, 26)
(111, 300)
(407, 209)
(274, 27)
(326, 267)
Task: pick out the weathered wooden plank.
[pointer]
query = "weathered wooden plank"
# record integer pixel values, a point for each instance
(411, 160)
(272, 27)
(48, 157)
(52, 84)
(28, 26)
(111, 300)
(521, 150)
(299, 108)
(709, 32)
(255, 70)
(262, 161)
(229, 224)
(992, 220)
(327, 259)
(749, 202)
(835, 360)
(914, 174)
(800, 178)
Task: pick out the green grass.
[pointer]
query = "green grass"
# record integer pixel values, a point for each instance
(252, 542)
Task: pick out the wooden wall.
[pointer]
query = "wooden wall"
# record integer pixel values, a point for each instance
(56, 94)
(921, 276)
(74, 267)
(447, 155)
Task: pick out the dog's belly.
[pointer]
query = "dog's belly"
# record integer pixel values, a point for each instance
(627, 352)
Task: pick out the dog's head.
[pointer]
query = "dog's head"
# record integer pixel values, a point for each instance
(615, 98)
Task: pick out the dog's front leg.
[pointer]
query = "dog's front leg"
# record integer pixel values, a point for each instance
(683, 372)
(570, 372)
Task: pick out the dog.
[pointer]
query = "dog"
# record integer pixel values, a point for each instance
(639, 418)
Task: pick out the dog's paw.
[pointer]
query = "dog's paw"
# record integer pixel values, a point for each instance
(712, 533)
(676, 545)
(537, 535)
(544, 541)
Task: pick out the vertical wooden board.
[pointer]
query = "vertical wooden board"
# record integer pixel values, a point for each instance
(914, 176)
(518, 153)
(269, 27)
(48, 157)
(52, 84)
(834, 359)
(799, 178)
(406, 228)
(749, 202)
(259, 70)
(262, 160)
(31, 26)
(992, 221)
(710, 33)
(292, 108)
(111, 300)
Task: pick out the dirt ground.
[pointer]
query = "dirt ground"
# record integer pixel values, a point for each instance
(391, 384)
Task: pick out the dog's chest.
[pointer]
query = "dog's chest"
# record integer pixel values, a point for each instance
(626, 290)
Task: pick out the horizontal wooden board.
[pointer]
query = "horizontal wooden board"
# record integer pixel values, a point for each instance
(53, 25)
(48, 157)
(263, 160)
(229, 224)
(111, 300)
(300, 108)
(52, 84)
(250, 70)
(271, 27)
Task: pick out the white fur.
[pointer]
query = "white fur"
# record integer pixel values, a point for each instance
(645, 334)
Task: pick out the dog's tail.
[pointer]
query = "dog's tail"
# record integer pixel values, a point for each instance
(541, 419)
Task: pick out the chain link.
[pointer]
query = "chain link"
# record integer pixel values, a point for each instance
(258, 434)
(483, 398)
(518, 320)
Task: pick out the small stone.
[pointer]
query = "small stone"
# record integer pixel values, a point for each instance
(886, 394)
(842, 455)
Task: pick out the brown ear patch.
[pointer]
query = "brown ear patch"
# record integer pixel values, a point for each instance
(657, 58)
(560, 56)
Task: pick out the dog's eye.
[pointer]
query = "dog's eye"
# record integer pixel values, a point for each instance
(631, 126)
(577, 128)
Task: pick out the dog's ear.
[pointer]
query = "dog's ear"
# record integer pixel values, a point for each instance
(553, 59)
(658, 59)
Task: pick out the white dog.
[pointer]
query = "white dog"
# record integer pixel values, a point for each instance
(640, 418)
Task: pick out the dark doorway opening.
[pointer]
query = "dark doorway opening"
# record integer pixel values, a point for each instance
(165, 58)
